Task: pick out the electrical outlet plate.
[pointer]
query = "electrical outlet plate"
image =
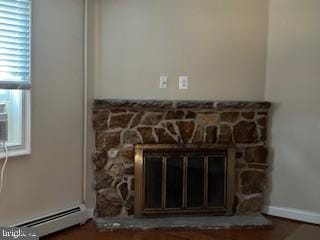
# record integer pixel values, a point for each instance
(163, 82)
(183, 82)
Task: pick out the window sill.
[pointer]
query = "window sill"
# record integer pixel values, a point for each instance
(15, 153)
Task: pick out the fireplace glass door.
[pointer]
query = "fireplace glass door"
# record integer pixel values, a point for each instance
(173, 179)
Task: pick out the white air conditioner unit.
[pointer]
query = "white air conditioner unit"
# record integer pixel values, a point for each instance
(3, 123)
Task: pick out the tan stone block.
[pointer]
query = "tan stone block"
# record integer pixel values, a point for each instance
(100, 120)
(191, 115)
(152, 119)
(245, 132)
(170, 128)
(131, 137)
(172, 115)
(257, 154)
(263, 134)
(127, 154)
(164, 137)
(120, 121)
(198, 136)
(147, 135)
(186, 130)
(248, 115)
(100, 158)
(229, 117)
(225, 136)
(109, 203)
(137, 119)
(103, 179)
(253, 181)
(211, 134)
(123, 189)
(107, 140)
(262, 122)
(207, 119)
(253, 204)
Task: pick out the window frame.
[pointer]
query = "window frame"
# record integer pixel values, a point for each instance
(25, 147)
(25, 87)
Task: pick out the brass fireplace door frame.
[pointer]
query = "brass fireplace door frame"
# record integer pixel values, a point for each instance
(228, 150)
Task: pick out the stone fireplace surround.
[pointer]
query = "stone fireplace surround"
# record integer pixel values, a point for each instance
(121, 124)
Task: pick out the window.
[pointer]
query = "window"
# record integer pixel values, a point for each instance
(15, 73)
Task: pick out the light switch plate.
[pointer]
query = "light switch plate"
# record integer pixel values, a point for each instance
(163, 82)
(183, 82)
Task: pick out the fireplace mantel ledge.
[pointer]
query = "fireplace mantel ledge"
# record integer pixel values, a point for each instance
(179, 104)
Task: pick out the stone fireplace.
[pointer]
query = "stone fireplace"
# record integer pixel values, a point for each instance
(121, 125)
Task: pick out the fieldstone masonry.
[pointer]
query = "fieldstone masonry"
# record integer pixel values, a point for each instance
(120, 124)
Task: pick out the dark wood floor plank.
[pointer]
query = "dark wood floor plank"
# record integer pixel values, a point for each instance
(282, 229)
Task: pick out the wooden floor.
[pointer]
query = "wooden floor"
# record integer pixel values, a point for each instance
(282, 229)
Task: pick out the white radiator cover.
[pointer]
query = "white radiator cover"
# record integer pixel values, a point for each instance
(58, 221)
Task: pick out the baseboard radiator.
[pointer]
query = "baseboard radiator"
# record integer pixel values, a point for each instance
(58, 221)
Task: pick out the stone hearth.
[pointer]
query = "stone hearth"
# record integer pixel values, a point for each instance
(120, 124)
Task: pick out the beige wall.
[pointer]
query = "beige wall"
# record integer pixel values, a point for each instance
(293, 83)
(220, 45)
(50, 179)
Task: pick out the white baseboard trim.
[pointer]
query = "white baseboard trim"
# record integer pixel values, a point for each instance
(294, 214)
(52, 223)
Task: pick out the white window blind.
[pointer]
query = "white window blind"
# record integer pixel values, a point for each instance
(15, 44)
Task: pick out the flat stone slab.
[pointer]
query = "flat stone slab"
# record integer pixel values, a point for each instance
(176, 104)
(204, 222)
